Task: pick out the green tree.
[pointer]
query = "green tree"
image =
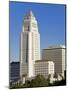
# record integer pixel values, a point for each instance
(39, 81)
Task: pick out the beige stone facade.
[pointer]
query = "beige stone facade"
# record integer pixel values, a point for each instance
(57, 55)
(45, 68)
(30, 45)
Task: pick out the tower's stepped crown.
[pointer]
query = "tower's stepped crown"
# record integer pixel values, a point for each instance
(30, 23)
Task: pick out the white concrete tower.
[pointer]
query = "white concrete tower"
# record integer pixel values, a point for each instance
(30, 45)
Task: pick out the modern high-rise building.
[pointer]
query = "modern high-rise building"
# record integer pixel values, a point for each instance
(30, 45)
(14, 71)
(57, 54)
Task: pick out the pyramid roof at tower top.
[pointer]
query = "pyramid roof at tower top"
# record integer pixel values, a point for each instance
(30, 14)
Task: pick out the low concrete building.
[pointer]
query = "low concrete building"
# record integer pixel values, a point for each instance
(45, 68)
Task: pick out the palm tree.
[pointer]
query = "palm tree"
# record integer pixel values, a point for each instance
(49, 76)
(56, 76)
(24, 75)
(61, 76)
(24, 78)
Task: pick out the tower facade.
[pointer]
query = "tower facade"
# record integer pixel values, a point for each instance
(30, 45)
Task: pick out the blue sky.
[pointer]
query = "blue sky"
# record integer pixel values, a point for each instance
(51, 24)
